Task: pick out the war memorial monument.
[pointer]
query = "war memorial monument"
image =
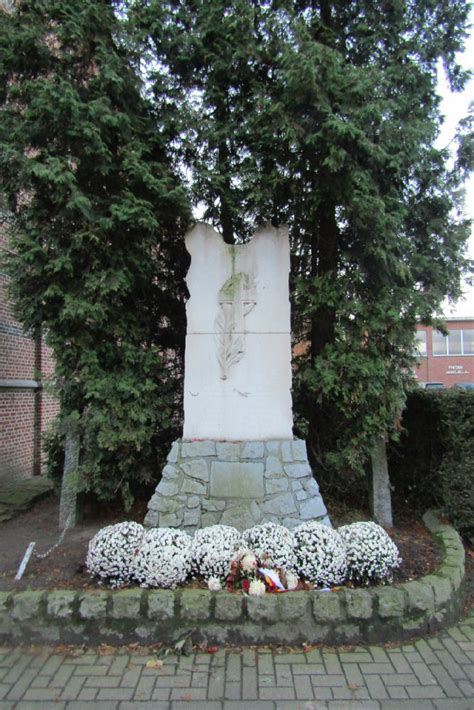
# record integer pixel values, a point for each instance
(238, 462)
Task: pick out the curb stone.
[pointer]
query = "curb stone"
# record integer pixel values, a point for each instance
(371, 615)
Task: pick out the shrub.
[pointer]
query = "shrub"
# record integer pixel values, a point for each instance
(164, 558)
(213, 549)
(274, 541)
(53, 446)
(415, 458)
(112, 552)
(457, 485)
(456, 472)
(370, 553)
(320, 554)
(431, 465)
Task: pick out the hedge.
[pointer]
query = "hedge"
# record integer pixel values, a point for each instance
(433, 462)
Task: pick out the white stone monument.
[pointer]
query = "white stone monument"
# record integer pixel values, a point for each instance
(237, 378)
(238, 463)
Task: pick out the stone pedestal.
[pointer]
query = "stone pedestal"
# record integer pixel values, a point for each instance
(236, 483)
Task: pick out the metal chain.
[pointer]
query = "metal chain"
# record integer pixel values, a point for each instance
(56, 544)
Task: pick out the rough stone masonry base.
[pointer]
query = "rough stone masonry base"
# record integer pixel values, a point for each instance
(378, 614)
(236, 483)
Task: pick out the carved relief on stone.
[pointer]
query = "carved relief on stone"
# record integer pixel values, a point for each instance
(237, 297)
(237, 378)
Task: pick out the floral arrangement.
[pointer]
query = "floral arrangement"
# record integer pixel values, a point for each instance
(320, 554)
(264, 558)
(164, 558)
(213, 549)
(243, 569)
(257, 588)
(256, 575)
(214, 584)
(371, 554)
(111, 552)
(275, 542)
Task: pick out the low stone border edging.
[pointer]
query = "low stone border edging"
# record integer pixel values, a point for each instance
(387, 613)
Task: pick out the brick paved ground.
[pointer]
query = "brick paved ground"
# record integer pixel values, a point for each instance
(436, 673)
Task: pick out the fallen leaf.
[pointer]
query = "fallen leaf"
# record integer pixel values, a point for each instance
(105, 650)
(188, 647)
(212, 649)
(154, 663)
(184, 646)
(178, 647)
(69, 651)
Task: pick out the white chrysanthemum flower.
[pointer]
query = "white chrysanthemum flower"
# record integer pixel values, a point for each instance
(371, 553)
(214, 584)
(274, 541)
(320, 554)
(249, 563)
(257, 588)
(164, 558)
(112, 551)
(213, 549)
(292, 581)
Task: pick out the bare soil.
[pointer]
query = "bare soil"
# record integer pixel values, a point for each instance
(64, 567)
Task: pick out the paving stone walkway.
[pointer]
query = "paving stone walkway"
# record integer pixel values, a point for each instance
(436, 673)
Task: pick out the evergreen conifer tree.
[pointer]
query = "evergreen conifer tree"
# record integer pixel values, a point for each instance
(320, 114)
(88, 169)
(324, 115)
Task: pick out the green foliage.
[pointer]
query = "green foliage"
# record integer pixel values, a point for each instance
(456, 472)
(432, 464)
(53, 446)
(457, 484)
(323, 115)
(99, 213)
(414, 459)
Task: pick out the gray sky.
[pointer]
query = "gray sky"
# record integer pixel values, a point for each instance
(455, 107)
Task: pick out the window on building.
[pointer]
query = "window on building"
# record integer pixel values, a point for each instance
(440, 343)
(420, 343)
(457, 342)
(468, 341)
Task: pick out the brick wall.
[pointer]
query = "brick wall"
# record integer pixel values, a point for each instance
(17, 432)
(447, 369)
(17, 356)
(26, 409)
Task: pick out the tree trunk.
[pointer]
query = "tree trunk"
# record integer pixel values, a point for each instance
(381, 499)
(68, 505)
(324, 263)
(227, 222)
